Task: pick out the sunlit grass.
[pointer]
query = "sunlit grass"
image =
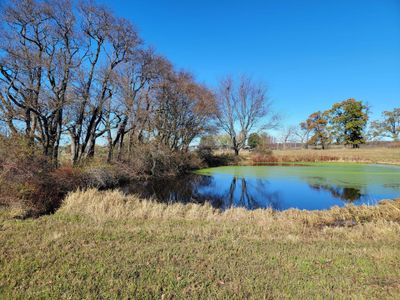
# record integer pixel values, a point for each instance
(374, 155)
(108, 245)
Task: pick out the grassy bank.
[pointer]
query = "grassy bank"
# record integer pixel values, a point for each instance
(107, 245)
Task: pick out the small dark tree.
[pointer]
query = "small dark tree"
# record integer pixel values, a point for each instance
(254, 140)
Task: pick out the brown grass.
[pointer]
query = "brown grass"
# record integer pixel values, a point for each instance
(374, 155)
(362, 155)
(102, 206)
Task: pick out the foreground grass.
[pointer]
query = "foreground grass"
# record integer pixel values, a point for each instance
(107, 245)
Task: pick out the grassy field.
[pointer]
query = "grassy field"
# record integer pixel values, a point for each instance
(374, 155)
(383, 155)
(107, 245)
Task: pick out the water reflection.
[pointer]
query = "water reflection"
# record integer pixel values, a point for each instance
(249, 194)
(184, 189)
(199, 189)
(347, 194)
(224, 191)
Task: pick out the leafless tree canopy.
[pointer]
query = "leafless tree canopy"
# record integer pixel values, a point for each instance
(243, 107)
(78, 73)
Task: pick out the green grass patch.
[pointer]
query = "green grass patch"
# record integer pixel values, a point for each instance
(90, 250)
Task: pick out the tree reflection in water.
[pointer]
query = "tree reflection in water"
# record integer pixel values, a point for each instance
(242, 194)
(199, 189)
(170, 190)
(225, 190)
(347, 194)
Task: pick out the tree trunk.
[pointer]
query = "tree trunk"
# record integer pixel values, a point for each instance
(74, 149)
(90, 149)
(110, 146)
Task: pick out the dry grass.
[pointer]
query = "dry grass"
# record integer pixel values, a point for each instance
(374, 155)
(105, 245)
(385, 155)
(102, 206)
(362, 155)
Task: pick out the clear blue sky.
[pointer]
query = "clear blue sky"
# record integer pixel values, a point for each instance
(310, 53)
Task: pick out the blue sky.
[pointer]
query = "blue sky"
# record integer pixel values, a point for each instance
(309, 53)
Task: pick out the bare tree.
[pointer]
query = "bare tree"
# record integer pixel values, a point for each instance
(388, 127)
(38, 46)
(108, 43)
(79, 72)
(136, 80)
(303, 133)
(184, 110)
(243, 107)
(287, 134)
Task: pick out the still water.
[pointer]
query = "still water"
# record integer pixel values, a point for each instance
(311, 187)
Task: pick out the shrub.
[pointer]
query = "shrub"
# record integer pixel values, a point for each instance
(206, 155)
(268, 157)
(263, 155)
(394, 145)
(24, 177)
(29, 180)
(101, 176)
(209, 159)
(158, 161)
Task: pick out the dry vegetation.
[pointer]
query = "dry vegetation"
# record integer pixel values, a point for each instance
(30, 180)
(383, 155)
(77, 71)
(107, 245)
(103, 206)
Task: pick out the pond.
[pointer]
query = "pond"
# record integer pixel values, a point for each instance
(310, 187)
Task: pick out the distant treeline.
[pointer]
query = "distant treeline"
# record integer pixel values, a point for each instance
(345, 123)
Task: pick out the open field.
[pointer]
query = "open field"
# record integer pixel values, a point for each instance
(385, 155)
(373, 155)
(107, 245)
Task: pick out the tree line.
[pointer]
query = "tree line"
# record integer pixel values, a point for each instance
(345, 123)
(74, 74)
(80, 75)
